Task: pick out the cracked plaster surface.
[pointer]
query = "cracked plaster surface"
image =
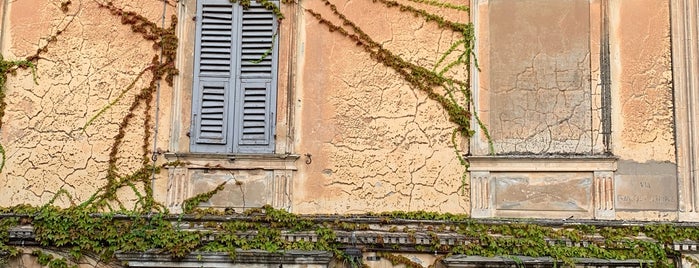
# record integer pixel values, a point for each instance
(539, 99)
(644, 107)
(90, 63)
(376, 143)
(540, 95)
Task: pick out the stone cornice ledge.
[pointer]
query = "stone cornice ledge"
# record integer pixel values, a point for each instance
(559, 163)
(216, 259)
(234, 161)
(462, 261)
(423, 236)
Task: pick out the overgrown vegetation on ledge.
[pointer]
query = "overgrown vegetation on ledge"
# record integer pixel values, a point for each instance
(81, 233)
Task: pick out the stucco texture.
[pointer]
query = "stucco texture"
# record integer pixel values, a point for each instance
(641, 62)
(540, 96)
(376, 143)
(90, 62)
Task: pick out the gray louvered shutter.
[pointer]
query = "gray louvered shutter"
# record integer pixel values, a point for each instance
(213, 88)
(257, 83)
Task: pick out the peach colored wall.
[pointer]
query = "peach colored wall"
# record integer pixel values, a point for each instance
(642, 109)
(642, 81)
(541, 80)
(377, 144)
(90, 63)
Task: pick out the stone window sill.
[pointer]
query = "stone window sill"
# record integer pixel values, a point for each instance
(234, 161)
(541, 163)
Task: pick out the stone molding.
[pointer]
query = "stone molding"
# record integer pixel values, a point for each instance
(418, 241)
(376, 239)
(214, 259)
(234, 161)
(685, 67)
(541, 163)
(484, 169)
(462, 261)
(383, 234)
(180, 188)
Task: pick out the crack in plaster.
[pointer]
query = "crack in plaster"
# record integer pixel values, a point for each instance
(43, 137)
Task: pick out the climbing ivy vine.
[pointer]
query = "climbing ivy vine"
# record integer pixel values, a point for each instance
(83, 233)
(456, 96)
(9, 67)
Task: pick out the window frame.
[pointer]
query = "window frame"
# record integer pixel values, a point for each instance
(241, 113)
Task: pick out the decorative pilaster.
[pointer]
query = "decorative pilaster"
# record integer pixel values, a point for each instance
(603, 195)
(481, 201)
(281, 193)
(177, 188)
(685, 64)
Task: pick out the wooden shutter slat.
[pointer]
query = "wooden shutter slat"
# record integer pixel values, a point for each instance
(254, 51)
(253, 15)
(256, 40)
(216, 60)
(214, 40)
(256, 27)
(253, 69)
(218, 52)
(216, 25)
(221, 7)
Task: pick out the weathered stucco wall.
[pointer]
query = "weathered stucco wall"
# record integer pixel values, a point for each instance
(353, 136)
(535, 84)
(542, 92)
(90, 60)
(642, 72)
(376, 143)
(642, 109)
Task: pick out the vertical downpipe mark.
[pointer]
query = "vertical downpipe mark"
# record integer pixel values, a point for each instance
(605, 75)
(2, 22)
(154, 156)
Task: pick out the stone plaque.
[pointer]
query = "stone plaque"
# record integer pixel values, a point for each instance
(243, 188)
(543, 191)
(645, 192)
